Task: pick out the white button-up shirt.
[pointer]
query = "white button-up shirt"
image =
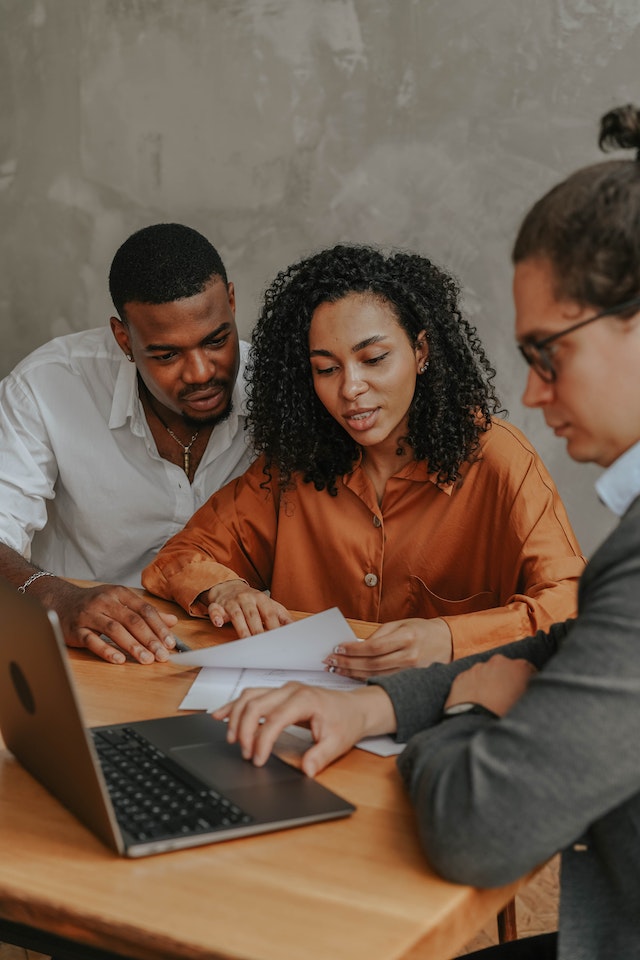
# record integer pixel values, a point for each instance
(83, 490)
(619, 485)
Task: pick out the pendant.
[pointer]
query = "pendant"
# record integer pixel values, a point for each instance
(187, 461)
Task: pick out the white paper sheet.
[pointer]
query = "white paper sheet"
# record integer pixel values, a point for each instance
(213, 687)
(301, 645)
(292, 652)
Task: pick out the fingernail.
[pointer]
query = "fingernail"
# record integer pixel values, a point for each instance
(338, 649)
(330, 661)
(170, 641)
(332, 669)
(146, 657)
(117, 657)
(218, 622)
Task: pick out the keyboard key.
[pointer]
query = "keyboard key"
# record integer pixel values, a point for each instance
(152, 797)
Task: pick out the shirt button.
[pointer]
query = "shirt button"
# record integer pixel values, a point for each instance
(371, 580)
(377, 522)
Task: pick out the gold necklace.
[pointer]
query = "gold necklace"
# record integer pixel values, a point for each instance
(186, 448)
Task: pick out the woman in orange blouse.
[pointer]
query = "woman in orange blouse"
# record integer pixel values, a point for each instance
(385, 484)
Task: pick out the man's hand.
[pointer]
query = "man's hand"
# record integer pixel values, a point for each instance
(394, 646)
(249, 611)
(337, 720)
(131, 623)
(497, 684)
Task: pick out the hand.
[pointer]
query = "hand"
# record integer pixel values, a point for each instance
(394, 646)
(131, 623)
(337, 719)
(249, 611)
(497, 684)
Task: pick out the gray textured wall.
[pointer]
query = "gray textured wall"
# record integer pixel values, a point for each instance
(281, 126)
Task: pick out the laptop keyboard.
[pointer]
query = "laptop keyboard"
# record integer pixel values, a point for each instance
(153, 797)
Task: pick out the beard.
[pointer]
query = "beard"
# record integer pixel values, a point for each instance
(212, 421)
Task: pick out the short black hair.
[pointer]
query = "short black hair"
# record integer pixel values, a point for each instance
(161, 263)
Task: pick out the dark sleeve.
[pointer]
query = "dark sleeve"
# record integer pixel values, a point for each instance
(418, 695)
(494, 798)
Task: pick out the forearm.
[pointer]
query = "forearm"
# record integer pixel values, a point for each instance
(522, 615)
(556, 762)
(183, 577)
(418, 696)
(468, 832)
(230, 537)
(28, 576)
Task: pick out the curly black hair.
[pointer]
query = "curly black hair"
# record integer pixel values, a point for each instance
(588, 226)
(161, 263)
(453, 401)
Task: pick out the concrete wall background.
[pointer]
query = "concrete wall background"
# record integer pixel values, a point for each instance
(278, 127)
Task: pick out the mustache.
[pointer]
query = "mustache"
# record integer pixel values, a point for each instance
(203, 387)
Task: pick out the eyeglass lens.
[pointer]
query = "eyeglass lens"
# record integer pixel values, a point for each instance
(539, 360)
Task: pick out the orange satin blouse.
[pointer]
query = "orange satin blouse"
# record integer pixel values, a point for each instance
(493, 554)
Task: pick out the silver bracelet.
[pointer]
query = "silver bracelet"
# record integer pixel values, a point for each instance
(32, 578)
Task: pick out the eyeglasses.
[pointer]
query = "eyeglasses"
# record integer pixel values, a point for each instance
(537, 354)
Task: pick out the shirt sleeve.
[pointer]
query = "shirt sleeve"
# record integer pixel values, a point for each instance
(494, 798)
(232, 536)
(28, 468)
(534, 555)
(419, 695)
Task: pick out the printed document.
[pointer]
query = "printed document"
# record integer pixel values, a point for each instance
(292, 652)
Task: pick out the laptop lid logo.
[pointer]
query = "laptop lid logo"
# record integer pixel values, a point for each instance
(22, 687)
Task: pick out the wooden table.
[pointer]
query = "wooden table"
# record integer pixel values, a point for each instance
(341, 890)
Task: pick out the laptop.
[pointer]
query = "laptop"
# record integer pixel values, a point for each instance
(145, 787)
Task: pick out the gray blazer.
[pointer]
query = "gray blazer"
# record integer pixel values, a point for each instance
(561, 771)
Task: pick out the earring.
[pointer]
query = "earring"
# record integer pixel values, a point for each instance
(129, 357)
(424, 366)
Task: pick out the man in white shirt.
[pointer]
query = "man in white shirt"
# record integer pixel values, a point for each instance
(111, 439)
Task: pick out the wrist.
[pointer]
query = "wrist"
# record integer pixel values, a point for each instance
(218, 592)
(377, 714)
(439, 642)
(32, 579)
(468, 708)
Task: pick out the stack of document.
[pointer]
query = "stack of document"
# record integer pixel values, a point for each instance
(292, 652)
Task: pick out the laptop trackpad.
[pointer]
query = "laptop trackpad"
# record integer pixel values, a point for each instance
(225, 769)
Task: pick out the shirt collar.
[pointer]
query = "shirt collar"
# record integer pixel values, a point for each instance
(418, 471)
(415, 470)
(126, 402)
(619, 485)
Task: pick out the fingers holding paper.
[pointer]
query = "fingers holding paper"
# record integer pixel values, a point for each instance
(248, 610)
(337, 720)
(396, 645)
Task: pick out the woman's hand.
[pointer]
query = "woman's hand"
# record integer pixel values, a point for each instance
(248, 610)
(394, 646)
(337, 719)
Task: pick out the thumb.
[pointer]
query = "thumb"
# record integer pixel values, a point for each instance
(320, 755)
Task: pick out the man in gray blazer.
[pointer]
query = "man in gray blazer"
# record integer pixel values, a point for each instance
(515, 755)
